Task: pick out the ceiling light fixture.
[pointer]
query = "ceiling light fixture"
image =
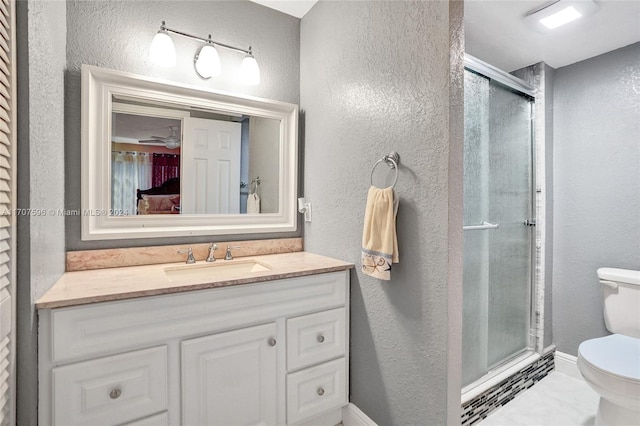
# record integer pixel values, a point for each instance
(206, 62)
(560, 18)
(558, 13)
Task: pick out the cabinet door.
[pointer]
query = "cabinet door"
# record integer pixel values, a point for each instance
(230, 378)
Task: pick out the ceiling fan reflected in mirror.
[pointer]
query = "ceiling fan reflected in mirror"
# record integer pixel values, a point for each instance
(172, 141)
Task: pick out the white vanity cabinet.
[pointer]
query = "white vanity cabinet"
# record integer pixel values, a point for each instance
(270, 353)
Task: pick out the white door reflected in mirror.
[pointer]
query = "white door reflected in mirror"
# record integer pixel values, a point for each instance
(211, 167)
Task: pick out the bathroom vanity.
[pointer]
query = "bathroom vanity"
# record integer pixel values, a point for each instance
(145, 345)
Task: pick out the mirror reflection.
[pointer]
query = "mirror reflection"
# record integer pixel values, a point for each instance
(181, 160)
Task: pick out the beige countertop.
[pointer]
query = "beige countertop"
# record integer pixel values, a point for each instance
(102, 285)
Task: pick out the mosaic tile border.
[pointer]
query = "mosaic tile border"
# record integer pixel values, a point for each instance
(493, 398)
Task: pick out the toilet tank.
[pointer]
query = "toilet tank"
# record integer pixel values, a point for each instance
(621, 293)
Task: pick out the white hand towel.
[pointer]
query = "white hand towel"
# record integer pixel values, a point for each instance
(253, 203)
(379, 239)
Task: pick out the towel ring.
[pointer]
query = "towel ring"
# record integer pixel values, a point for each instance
(392, 161)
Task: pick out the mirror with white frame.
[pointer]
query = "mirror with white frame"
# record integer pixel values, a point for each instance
(164, 159)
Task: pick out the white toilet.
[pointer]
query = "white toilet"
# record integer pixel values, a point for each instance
(611, 364)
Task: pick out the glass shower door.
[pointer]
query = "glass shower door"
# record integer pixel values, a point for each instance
(497, 243)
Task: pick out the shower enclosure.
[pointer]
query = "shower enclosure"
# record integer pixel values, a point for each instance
(498, 220)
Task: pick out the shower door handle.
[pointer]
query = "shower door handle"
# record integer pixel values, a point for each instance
(485, 225)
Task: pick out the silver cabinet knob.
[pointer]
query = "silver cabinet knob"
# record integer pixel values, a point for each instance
(320, 391)
(272, 342)
(115, 393)
(320, 338)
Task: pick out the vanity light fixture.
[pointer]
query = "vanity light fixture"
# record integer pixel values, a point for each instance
(206, 61)
(162, 52)
(249, 71)
(557, 13)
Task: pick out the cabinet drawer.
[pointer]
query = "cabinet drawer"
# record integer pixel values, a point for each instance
(315, 338)
(111, 390)
(315, 390)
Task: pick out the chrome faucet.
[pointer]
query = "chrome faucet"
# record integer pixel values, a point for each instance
(190, 258)
(212, 248)
(228, 256)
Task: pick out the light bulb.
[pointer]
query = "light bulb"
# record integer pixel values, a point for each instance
(162, 52)
(207, 62)
(249, 70)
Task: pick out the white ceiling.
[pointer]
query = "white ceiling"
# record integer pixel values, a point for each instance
(297, 8)
(495, 32)
(130, 128)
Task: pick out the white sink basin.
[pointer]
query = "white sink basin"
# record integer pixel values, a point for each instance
(215, 271)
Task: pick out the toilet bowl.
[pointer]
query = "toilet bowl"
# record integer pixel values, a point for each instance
(611, 364)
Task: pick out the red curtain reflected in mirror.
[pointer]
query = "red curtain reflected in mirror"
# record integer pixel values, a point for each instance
(165, 166)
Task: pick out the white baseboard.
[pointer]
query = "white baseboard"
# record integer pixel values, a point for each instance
(353, 416)
(332, 418)
(567, 364)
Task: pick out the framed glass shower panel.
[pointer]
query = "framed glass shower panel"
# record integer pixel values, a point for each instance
(498, 191)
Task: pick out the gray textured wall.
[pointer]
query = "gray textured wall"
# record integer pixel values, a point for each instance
(117, 35)
(597, 187)
(41, 28)
(375, 78)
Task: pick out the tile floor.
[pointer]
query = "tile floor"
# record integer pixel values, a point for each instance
(557, 400)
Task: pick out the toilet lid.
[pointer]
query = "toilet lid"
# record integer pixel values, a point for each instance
(614, 354)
